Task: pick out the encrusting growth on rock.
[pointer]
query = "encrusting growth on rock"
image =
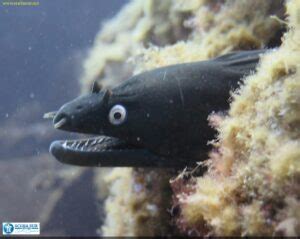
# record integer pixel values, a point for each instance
(252, 186)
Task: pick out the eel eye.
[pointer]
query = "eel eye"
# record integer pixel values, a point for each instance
(117, 115)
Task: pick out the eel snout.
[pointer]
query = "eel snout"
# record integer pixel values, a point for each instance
(59, 124)
(59, 120)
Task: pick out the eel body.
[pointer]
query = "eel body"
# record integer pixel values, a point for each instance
(154, 119)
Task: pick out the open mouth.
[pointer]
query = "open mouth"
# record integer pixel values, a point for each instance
(103, 151)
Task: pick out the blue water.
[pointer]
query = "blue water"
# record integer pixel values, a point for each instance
(40, 47)
(41, 52)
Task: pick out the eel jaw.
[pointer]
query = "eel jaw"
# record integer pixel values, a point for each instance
(104, 151)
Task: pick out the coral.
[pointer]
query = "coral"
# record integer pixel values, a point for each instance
(136, 204)
(118, 219)
(252, 185)
(217, 28)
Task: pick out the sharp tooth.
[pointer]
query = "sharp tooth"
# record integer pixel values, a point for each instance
(65, 144)
(100, 140)
(80, 144)
(86, 143)
(94, 142)
(74, 144)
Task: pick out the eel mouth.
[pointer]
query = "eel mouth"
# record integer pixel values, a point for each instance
(101, 151)
(104, 151)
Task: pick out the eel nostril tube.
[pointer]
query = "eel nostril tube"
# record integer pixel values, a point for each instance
(50, 115)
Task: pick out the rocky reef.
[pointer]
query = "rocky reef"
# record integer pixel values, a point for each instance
(252, 183)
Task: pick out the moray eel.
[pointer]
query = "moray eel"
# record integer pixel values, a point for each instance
(154, 119)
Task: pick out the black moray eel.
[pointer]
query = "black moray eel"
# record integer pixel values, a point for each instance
(154, 119)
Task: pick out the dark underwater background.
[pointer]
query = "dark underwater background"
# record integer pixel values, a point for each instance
(41, 53)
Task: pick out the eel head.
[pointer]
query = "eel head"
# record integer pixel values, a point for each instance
(112, 144)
